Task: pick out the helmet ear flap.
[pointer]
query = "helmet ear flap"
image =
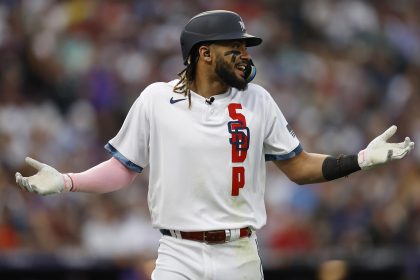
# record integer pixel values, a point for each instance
(250, 71)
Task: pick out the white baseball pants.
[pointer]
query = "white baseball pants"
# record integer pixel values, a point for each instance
(191, 260)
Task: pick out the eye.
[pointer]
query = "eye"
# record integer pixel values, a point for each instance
(236, 45)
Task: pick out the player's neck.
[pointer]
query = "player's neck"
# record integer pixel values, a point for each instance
(207, 87)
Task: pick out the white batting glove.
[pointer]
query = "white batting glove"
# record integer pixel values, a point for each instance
(46, 181)
(379, 151)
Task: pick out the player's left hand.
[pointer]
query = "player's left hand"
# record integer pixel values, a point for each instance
(46, 181)
(379, 151)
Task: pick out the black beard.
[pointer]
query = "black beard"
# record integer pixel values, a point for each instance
(224, 72)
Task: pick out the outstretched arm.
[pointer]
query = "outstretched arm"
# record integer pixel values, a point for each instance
(107, 176)
(307, 168)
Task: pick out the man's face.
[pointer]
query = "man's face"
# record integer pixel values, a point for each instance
(231, 60)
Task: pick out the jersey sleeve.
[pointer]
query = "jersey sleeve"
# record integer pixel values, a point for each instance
(280, 142)
(131, 145)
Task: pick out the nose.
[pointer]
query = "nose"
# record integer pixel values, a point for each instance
(244, 55)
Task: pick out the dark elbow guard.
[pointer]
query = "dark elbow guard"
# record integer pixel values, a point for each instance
(343, 165)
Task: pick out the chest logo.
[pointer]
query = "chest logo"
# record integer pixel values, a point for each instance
(240, 136)
(173, 101)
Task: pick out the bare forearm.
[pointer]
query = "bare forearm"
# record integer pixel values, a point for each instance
(311, 169)
(307, 168)
(105, 177)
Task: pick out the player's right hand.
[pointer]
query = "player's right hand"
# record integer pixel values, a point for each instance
(46, 181)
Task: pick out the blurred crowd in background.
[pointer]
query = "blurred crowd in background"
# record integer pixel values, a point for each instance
(342, 71)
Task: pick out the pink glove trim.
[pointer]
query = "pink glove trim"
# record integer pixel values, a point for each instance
(68, 183)
(361, 158)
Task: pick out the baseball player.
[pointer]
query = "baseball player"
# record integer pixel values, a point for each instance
(206, 137)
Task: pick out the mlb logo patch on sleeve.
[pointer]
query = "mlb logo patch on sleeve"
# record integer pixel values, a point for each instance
(291, 130)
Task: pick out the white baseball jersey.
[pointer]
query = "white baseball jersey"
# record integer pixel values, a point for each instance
(207, 162)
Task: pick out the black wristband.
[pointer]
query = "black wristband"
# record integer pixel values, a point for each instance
(343, 165)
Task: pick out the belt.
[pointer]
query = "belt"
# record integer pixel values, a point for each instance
(211, 236)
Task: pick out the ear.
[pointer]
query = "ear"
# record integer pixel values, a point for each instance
(204, 51)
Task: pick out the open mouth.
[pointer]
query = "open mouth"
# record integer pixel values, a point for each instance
(241, 67)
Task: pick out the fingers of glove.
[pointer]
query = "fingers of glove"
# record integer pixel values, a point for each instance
(34, 163)
(35, 189)
(18, 178)
(388, 133)
(411, 145)
(27, 185)
(24, 184)
(405, 143)
(400, 150)
(20, 181)
(400, 153)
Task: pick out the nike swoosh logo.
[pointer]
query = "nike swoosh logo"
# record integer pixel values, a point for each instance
(173, 101)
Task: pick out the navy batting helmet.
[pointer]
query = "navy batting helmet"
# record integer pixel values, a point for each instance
(218, 25)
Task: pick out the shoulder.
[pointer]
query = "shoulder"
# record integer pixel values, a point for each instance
(157, 88)
(258, 93)
(156, 91)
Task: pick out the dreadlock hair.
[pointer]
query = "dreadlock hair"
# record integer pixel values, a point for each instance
(187, 76)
